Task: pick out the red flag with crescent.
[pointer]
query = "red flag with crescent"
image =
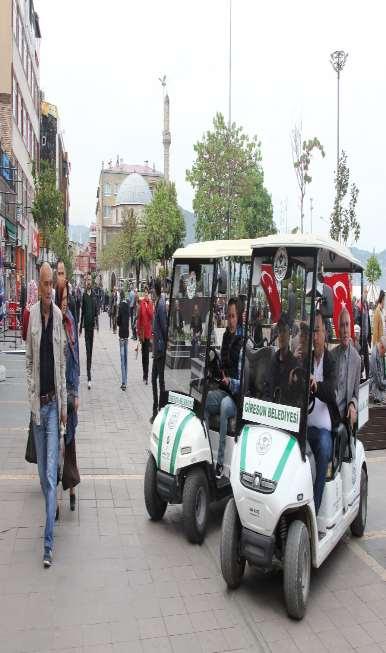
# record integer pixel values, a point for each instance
(269, 286)
(341, 289)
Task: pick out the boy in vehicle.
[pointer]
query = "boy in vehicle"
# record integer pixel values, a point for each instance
(222, 400)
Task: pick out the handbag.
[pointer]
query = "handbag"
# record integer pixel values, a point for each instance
(30, 452)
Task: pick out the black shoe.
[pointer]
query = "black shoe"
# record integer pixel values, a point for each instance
(123, 387)
(152, 418)
(219, 471)
(57, 513)
(146, 381)
(47, 558)
(72, 502)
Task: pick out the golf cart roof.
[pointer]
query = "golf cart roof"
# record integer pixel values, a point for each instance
(216, 249)
(338, 257)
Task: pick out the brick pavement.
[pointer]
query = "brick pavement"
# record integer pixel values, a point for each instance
(121, 583)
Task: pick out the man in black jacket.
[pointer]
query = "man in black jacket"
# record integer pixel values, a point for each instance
(61, 277)
(222, 400)
(325, 414)
(89, 320)
(123, 332)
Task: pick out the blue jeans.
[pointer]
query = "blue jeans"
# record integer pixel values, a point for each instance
(123, 352)
(220, 402)
(47, 453)
(321, 444)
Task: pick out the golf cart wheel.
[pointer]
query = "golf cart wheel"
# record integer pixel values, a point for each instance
(195, 505)
(232, 564)
(297, 569)
(155, 506)
(359, 524)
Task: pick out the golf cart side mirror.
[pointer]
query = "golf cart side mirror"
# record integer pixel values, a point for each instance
(222, 282)
(327, 302)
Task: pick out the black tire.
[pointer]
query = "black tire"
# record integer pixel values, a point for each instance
(155, 506)
(195, 505)
(359, 524)
(232, 564)
(297, 569)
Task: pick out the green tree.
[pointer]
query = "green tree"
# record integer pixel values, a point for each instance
(373, 270)
(301, 157)
(227, 177)
(343, 218)
(163, 224)
(111, 254)
(47, 207)
(60, 247)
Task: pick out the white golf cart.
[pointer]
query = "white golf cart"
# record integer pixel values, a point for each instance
(183, 455)
(271, 519)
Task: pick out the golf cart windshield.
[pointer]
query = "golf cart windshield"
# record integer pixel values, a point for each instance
(278, 341)
(189, 312)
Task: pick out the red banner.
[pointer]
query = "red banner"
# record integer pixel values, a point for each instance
(269, 286)
(341, 290)
(35, 242)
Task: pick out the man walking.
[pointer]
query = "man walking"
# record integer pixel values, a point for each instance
(123, 325)
(131, 303)
(159, 346)
(89, 320)
(46, 384)
(61, 277)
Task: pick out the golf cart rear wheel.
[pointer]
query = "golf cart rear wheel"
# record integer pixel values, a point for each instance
(195, 505)
(359, 524)
(297, 569)
(155, 506)
(232, 564)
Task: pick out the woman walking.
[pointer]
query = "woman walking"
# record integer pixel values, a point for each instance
(123, 324)
(378, 324)
(70, 477)
(144, 329)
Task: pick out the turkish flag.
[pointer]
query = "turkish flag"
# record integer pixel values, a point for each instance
(341, 289)
(269, 286)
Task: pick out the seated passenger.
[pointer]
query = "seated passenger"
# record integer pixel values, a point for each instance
(222, 400)
(377, 377)
(325, 414)
(278, 384)
(348, 371)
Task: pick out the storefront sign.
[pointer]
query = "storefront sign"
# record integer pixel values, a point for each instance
(363, 404)
(275, 415)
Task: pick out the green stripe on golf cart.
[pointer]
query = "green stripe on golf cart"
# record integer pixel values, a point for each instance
(244, 443)
(161, 435)
(177, 440)
(283, 460)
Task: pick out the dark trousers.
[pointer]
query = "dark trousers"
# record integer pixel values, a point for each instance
(145, 358)
(157, 372)
(89, 340)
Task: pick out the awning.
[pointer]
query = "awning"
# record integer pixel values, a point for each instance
(11, 230)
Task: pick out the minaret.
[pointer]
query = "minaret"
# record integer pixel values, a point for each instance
(166, 137)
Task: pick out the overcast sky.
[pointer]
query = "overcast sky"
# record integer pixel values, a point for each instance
(100, 63)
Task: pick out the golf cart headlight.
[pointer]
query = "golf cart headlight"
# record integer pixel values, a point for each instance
(186, 450)
(155, 437)
(257, 483)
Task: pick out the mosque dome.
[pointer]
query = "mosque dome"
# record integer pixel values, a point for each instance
(134, 190)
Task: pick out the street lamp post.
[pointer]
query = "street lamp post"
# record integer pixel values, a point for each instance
(338, 60)
(229, 108)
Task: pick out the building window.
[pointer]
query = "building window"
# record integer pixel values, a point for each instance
(116, 186)
(107, 211)
(107, 189)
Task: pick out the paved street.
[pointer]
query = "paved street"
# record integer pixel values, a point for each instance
(121, 583)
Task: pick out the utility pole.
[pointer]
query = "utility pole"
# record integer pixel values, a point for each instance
(338, 60)
(311, 209)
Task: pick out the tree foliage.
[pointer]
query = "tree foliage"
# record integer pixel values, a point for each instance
(163, 224)
(228, 181)
(343, 218)
(301, 157)
(373, 270)
(47, 208)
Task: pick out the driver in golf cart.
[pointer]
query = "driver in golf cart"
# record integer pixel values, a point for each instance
(222, 400)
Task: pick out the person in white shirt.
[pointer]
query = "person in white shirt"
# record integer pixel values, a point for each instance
(325, 414)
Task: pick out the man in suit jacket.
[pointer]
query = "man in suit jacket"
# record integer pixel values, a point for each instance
(348, 371)
(325, 414)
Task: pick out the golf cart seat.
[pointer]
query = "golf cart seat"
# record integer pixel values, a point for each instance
(214, 424)
(311, 458)
(258, 363)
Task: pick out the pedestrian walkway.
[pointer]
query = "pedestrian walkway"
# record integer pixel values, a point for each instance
(121, 583)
